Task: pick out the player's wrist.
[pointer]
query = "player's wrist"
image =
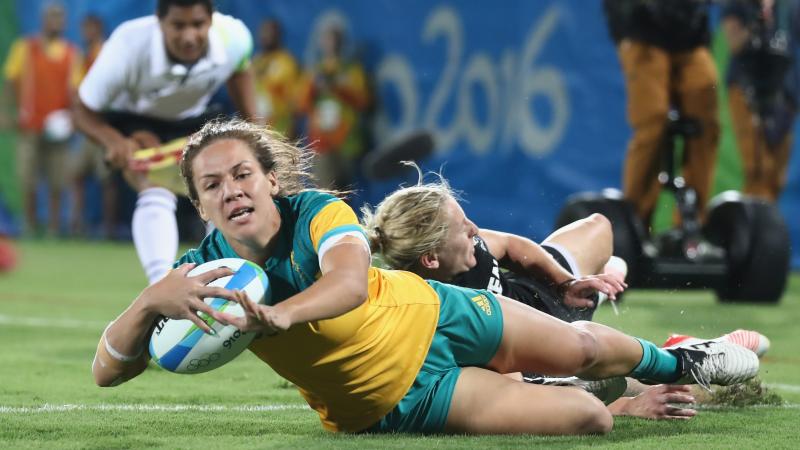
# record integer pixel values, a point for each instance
(118, 355)
(563, 286)
(145, 308)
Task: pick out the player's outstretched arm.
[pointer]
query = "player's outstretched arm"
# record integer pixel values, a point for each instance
(341, 288)
(122, 350)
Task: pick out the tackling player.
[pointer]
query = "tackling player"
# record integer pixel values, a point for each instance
(423, 229)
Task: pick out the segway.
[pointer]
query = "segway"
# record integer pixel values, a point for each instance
(741, 252)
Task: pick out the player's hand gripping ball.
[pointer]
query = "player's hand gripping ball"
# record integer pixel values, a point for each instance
(181, 347)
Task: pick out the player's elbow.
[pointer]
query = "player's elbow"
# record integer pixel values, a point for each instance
(103, 379)
(109, 373)
(355, 290)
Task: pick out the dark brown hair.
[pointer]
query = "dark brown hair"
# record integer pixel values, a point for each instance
(273, 151)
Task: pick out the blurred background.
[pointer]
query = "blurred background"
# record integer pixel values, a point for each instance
(526, 104)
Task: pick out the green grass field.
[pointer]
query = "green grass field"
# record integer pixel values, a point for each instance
(55, 305)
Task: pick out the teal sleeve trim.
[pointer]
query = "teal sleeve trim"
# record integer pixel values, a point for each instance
(339, 230)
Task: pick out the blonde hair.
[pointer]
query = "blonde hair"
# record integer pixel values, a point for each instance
(290, 162)
(409, 222)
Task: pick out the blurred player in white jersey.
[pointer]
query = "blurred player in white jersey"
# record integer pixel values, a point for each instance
(151, 84)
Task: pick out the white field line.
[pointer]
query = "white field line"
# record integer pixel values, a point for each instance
(49, 322)
(728, 407)
(47, 408)
(784, 387)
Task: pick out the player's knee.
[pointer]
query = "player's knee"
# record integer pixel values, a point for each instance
(602, 231)
(586, 415)
(597, 419)
(600, 223)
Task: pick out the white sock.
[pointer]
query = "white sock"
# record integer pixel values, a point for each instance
(155, 231)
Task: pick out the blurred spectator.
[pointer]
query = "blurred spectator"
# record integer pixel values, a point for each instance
(42, 72)
(663, 48)
(8, 253)
(334, 95)
(762, 88)
(276, 73)
(89, 161)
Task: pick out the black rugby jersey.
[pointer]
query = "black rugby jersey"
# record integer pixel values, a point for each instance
(488, 275)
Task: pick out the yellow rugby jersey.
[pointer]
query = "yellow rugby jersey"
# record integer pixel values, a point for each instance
(355, 368)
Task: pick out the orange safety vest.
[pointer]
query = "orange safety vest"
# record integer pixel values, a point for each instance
(44, 85)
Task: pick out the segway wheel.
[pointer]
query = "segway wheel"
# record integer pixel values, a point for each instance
(628, 229)
(756, 242)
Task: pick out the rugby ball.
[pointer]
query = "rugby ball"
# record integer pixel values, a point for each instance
(180, 346)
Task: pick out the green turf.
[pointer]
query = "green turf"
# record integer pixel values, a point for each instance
(48, 399)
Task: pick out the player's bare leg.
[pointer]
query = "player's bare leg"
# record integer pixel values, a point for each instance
(593, 351)
(485, 402)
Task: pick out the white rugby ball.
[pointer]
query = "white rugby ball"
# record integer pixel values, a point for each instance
(180, 346)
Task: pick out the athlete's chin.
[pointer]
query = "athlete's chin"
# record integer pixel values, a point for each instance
(242, 230)
(471, 262)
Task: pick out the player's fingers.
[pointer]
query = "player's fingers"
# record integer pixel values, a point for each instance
(586, 286)
(197, 320)
(216, 292)
(221, 317)
(676, 388)
(185, 268)
(214, 274)
(618, 287)
(680, 398)
(225, 318)
(203, 307)
(243, 297)
(681, 413)
(249, 307)
(578, 302)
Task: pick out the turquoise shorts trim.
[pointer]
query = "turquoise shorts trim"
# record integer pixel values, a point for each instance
(468, 334)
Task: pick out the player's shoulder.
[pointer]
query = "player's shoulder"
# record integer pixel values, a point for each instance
(312, 201)
(234, 33)
(228, 23)
(133, 34)
(134, 27)
(306, 206)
